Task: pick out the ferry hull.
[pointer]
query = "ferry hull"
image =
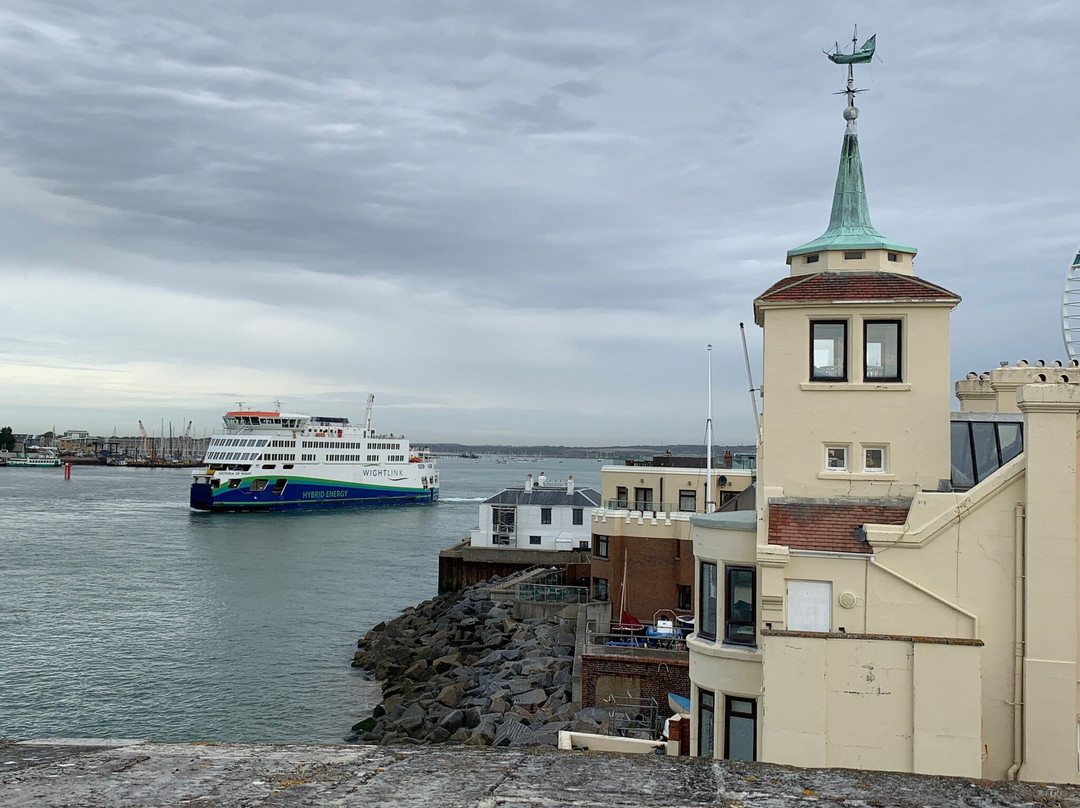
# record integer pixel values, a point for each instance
(304, 494)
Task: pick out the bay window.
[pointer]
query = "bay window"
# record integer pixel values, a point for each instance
(706, 618)
(740, 610)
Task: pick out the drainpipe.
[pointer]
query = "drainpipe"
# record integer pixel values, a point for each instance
(1018, 658)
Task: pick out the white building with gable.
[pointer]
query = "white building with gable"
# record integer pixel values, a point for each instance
(537, 516)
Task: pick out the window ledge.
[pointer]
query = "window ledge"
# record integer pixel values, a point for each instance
(844, 475)
(718, 648)
(856, 386)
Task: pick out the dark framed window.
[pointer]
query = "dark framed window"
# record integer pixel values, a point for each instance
(706, 722)
(706, 617)
(740, 728)
(684, 597)
(579, 516)
(854, 255)
(828, 351)
(600, 546)
(545, 516)
(894, 257)
(813, 258)
(643, 500)
(534, 539)
(600, 589)
(622, 498)
(979, 448)
(502, 519)
(881, 351)
(688, 501)
(739, 595)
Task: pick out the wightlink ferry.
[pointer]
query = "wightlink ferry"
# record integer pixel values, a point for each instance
(277, 460)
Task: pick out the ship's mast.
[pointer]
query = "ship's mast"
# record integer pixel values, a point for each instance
(368, 431)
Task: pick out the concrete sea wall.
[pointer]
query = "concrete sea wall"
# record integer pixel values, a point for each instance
(138, 774)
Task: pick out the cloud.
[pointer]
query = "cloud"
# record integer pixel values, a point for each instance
(502, 218)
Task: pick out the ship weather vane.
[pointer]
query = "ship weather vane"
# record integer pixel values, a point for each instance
(858, 56)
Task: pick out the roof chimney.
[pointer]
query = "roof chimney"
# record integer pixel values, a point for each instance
(570, 484)
(528, 483)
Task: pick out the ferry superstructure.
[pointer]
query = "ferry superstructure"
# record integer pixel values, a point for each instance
(278, 460)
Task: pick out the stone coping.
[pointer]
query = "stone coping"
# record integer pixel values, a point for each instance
(651, 655)
(39, 774)
(847, 635)
(726, 520)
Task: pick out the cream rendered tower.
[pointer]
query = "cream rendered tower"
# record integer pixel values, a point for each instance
(867, 616)
(856, 360)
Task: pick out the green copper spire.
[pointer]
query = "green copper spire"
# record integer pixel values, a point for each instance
(849, 223)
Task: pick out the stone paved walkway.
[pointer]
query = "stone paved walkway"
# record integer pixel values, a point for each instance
(136, 774)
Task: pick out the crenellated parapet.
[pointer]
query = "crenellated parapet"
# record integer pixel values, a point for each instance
(995, 390)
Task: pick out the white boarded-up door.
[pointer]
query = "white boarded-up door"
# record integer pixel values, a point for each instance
(809, 606)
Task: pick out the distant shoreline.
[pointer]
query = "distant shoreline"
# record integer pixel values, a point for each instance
(587, 452)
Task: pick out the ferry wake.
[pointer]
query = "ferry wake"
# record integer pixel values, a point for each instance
(276, 460)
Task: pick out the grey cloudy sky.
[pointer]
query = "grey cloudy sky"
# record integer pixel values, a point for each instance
(511, 221)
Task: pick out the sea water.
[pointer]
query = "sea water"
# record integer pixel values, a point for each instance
(124, 614)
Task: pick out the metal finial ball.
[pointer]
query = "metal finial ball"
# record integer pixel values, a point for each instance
(851, 113)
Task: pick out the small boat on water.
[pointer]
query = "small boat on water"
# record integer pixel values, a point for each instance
(45, 458)
(278, 460)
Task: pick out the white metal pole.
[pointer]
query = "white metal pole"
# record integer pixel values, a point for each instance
(709, 441)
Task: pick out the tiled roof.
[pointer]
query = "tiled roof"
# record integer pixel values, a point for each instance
(548, 497)
(852, 287)
(828, 527)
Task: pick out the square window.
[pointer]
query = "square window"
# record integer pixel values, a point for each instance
(894, 257)
(684, 597)
(579, 517)
(813, 258)
(600, 589)
(881, 351)
(874, 459)
(545, 516)
(828, 351)
(534, 540)
(836, 458)
(600, 546)
(688, 501)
